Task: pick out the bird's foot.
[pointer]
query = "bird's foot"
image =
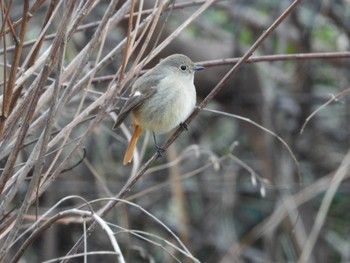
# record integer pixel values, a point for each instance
(159, 151)
(184, 126)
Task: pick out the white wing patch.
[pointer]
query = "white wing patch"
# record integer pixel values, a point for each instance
(137, 93)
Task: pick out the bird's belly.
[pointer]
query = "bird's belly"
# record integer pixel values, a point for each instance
(162, 114)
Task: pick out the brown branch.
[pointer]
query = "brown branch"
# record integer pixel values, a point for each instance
(11, 28)
(36, 51)
(128, 41)
(2, 118)
(282, 57)
(173, 7)
(30, 60)
(8, 21)
(95, 24)
(12, 77)
(255, 59)
(83, 12)
(51, 61)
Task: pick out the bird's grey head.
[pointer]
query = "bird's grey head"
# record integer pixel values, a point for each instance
(180, 64)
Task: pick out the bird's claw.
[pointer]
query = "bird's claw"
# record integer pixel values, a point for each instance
(184, 126)
(159, 151)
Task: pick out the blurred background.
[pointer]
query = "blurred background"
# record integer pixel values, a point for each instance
(252, 180)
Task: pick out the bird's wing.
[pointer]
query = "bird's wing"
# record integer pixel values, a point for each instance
(143, 88)
(135, 100)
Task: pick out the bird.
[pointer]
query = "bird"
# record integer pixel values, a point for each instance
(160, 100)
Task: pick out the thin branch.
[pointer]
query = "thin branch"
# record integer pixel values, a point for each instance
(280, 212)
(128, 44)
(177, 31)
(35, 6)
(56, 46)
(282, 57)
(8, 91)
(319, 221)
(85, 10)
(72, 212)
(285, 144)
(82, 254)
(334, 98)
(254, 59)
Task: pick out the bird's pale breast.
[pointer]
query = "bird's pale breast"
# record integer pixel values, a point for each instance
(169, 106)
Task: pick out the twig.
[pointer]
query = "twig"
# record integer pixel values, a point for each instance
(37, 86)
(72, 212)
(8, 91)
(128, 44)
(82, 254)
(279, 213)
(85, 10)
(339, 176)
(31, 57)
(99, 101)
(183, 248)
(7, 20)
(178, 30)
(282, 57)
(56, 48)
(334, 98)
(35, 6)
(285, 144)
(254, 59)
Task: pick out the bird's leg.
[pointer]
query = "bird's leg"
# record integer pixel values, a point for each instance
(159, 149)
(184, 125)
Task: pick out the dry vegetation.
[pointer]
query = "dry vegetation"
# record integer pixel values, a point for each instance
(261, 175)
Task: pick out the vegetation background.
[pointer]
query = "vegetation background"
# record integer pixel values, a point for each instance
(261, 175)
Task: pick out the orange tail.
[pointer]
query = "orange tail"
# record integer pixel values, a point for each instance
(132, 144)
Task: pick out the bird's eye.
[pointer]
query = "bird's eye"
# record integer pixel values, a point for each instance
(183, 67)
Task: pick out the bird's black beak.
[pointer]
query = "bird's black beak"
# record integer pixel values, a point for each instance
(196, 68)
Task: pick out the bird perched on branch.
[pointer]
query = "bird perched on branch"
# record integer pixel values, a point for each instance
(160, 100)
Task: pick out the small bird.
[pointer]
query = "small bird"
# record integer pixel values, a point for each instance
(160, 100)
